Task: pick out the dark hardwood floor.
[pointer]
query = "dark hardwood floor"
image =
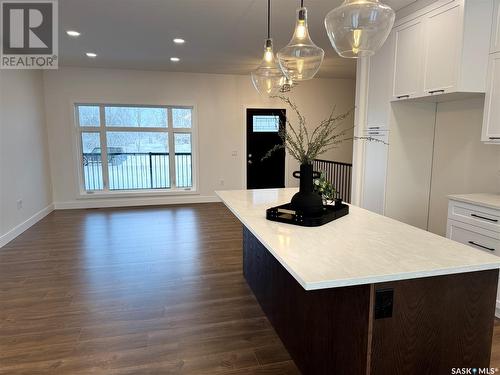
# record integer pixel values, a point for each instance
(133, 291)
(155, 290)
(495, 350)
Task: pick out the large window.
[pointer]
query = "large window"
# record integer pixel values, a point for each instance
(135, 147)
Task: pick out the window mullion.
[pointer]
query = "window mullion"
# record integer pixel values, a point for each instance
(104, 148)
(135, 129)
(171, 149)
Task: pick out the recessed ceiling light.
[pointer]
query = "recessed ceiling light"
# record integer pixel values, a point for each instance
(73, 33)
(179, 41)
(175, 59)
(91, 54)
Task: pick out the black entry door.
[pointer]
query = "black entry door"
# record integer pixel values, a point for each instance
(263, 126)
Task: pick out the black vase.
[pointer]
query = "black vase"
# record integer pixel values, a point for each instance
(307, 201)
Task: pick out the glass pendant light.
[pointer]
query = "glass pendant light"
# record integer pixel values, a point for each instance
(267, 78)
(301, 58)
(358, 28)
(286, 84)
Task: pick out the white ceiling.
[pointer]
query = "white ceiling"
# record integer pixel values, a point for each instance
(223, 36)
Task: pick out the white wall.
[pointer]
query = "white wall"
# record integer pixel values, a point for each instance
(24, 161)
(435, 150)
(462, 163)
(409, 162)
(219, 100)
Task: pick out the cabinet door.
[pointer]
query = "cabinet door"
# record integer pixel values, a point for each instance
(491, 117)
(379, 87)
(375, 172)
(495, 30)
(443, 35)
(408, 59)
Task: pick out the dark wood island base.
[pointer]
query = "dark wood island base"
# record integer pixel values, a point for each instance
(419, 326)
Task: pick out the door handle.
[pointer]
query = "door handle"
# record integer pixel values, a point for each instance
(484, 218)
(494, 137)
(481, 246)
(436, 91)
(403, 96)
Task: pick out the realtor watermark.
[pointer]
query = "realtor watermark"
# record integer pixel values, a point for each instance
(29, 34)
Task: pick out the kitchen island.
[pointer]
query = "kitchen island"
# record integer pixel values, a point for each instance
(366, 294)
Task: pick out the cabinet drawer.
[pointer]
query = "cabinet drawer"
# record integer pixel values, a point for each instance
(475, 237)
(482, 217)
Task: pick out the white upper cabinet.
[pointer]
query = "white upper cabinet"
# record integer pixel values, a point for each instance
(408, 59)
(491, 117)
(495, 30)
(442, 29)
(443, 49)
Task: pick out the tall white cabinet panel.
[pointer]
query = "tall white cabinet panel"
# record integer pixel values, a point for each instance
(378, 118)
(442, 29)
(408, 59)
(379, 87)
(495, 30)
(375, 171)
(491, 117)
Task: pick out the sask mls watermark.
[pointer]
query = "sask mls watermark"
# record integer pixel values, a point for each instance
(29, 34)
(474, 370)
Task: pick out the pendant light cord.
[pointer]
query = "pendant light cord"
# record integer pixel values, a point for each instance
(268, 19)
(302, 3)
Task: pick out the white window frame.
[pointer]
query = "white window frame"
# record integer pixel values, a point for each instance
(102, 129)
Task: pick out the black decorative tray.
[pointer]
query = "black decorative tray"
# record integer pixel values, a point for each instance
(286, 214)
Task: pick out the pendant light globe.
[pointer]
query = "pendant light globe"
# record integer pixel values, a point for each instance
(301, 59)
(267, 78)
(358, 28)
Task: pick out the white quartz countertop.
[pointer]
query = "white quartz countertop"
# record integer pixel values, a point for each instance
(360, 248)
(481, 199)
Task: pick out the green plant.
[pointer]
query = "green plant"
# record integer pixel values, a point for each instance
(324, 188)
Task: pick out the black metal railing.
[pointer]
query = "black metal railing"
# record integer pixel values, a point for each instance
(137, 170)
(339, 174)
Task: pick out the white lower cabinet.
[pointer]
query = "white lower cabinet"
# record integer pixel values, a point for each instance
(476, 226)
(476, 237)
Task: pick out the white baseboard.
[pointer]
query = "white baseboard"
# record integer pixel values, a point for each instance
(16, 231)
(497, 309)
(131, 202)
